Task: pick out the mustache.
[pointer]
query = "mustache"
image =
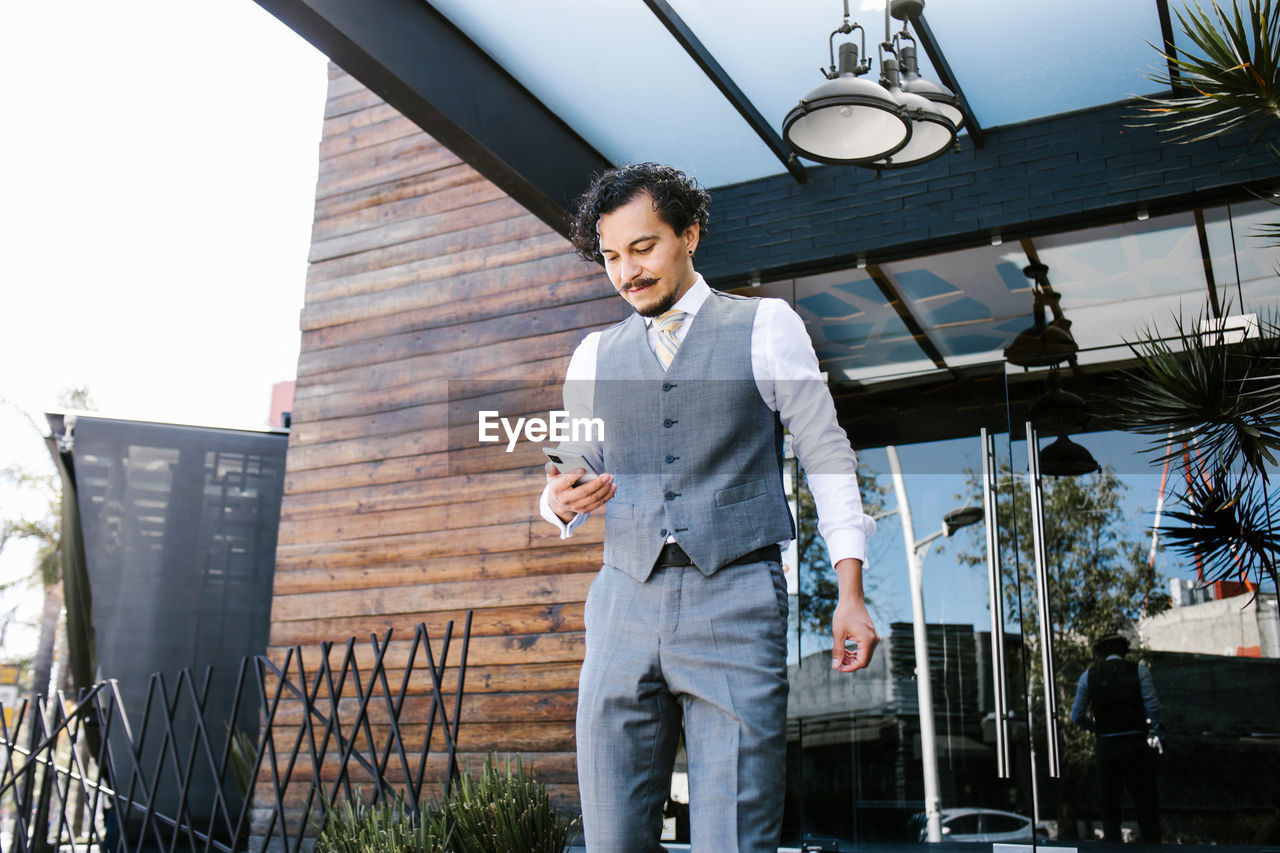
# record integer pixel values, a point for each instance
(643, 282)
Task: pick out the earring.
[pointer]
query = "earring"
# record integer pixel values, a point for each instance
(691, 253)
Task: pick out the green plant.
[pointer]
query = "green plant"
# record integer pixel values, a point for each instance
(355, 826)
(1232, 66)
(503, 811)
(1222, 401)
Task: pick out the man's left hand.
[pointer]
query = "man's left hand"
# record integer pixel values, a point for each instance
(851, 621)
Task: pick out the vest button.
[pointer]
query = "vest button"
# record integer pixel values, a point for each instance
(670, 459)
(666, 386)
(663, 532)
(667, 423)
(670, 496)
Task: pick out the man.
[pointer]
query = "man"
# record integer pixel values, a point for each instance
(1125, 707)
(686, 622)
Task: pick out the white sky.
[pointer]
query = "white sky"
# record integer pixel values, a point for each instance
(157, 180)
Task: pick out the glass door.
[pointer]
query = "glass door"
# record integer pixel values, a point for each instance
(885, 756)
(1161, 683)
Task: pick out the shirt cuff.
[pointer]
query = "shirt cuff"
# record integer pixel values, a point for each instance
(845, 543)
(566, 528)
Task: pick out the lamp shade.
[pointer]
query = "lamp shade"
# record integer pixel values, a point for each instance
(1042, 346)
(932, 133)
(847, 120)
(942, 97)
(1065, 458)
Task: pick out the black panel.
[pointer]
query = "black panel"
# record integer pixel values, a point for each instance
(180, 528)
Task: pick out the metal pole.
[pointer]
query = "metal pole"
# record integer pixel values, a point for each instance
(924, 687)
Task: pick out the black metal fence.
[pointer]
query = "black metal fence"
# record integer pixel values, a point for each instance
(180, 775)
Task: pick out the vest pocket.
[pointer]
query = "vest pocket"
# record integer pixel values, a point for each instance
(737, 494)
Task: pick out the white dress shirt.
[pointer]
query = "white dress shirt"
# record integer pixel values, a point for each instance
(786, 373)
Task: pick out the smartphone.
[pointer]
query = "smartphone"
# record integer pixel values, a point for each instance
(567, 460)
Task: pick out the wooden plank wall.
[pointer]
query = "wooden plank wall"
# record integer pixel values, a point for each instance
(426, 282)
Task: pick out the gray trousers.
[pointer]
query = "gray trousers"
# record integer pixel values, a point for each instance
(711, 651)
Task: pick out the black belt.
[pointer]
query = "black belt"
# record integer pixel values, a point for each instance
(673, 555)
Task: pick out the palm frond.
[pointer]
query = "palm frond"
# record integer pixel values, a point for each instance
(1227, 527)
(1226, 396)
(1232, 66)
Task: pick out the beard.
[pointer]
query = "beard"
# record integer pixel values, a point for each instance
(661, 307)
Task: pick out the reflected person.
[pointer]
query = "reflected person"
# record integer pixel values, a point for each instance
(1116, 700)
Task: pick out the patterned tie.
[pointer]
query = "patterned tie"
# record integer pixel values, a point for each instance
(668, 344)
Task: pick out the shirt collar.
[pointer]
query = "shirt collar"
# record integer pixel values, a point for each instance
(692, 300)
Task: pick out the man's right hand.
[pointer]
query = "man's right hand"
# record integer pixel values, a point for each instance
(568, 500)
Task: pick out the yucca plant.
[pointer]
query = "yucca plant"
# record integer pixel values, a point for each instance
(1223, 400)
(355, 826)
(503, 811)
(1233, 68)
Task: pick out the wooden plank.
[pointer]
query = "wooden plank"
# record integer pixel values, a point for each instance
(496, 244)
(415, 493)
(462, 404)
(365, 135)
(456, 595)
(573, 555)
(414, 217)
(406, 547)
(413, 547)
(486, 622)
(343, 85)
(512, 650)
(354, 121)
(546, 283)
(416, 283)
(363, 207)
(430, 438)
(378, 472)
(364, 401)
(460, 222)
(598, 313)
(561, 675)
(481, 737)
(547, 706)
(399, 158)
(453, 516)
(350, 102)
(551, 768)
(390, 422)
(410, 369)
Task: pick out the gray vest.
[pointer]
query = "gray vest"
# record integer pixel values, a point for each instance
(694, 451)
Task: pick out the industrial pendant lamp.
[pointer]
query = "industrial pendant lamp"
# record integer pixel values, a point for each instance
(847, 120)
(1065, 458)
(932, 133)
(941, 97)
(1043, 344)
(851, 121)
(1060, 411)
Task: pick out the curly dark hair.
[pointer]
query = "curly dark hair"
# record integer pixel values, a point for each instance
(678, 199)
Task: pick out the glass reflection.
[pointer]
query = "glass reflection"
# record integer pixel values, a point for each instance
(1212, 651)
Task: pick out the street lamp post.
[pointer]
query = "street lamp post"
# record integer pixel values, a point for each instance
(952, 522)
